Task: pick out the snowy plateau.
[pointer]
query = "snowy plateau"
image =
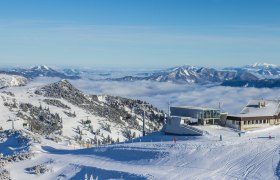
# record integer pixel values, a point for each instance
(90, 127)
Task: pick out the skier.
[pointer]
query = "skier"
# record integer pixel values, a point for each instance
(174, 139)
(221, 138)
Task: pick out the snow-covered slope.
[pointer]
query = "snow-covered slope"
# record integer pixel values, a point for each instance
(251, 156)
(11, 81)
(61, 109)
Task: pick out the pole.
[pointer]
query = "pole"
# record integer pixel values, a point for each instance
(13, 125)
(168, 109)
(143, 123)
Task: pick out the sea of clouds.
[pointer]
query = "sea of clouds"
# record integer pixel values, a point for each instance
(160, 93)
(232, 99)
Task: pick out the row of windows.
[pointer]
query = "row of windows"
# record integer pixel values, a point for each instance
(256, 122)
(253, 122)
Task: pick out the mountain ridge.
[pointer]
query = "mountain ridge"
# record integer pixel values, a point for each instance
(38, 71)
(188, 74)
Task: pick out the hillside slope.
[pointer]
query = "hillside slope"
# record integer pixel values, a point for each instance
(156, 156)
(61, 110)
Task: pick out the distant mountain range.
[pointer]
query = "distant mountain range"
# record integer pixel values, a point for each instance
(186, 74)
(256, 75)
(40, 71)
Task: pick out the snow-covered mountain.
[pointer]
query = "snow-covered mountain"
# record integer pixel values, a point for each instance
(71, 72)
(261, 66)
(61, 109)
(11, 81)
(257, 75)
(187, 74)
(203, 75)
(39, 71)
(260, 70)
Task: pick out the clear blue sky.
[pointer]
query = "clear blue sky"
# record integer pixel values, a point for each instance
(139, 33)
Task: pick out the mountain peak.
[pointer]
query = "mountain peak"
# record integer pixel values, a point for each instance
(262, 65)
(62, 89)
(185, 67)
(41, 67)
(64, 83)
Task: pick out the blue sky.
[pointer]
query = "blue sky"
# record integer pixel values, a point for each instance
(139, 33)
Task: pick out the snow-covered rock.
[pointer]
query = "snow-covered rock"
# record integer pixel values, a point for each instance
(12, 80)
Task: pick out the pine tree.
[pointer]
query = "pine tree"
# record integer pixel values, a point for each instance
(91, 177)
(108, 139)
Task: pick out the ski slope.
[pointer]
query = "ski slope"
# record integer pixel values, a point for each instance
(156, 156)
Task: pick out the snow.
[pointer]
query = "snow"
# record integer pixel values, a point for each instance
(70, 124)
(42, 67)
(252, 109)
(11, 80)
(265, 65)
(156, 156)
(45, 67)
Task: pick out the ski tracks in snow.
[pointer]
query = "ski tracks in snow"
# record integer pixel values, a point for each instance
(251, 164)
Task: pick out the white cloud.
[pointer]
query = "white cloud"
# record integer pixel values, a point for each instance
(233, 99)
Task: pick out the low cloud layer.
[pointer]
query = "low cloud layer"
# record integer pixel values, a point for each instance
(232, 99)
